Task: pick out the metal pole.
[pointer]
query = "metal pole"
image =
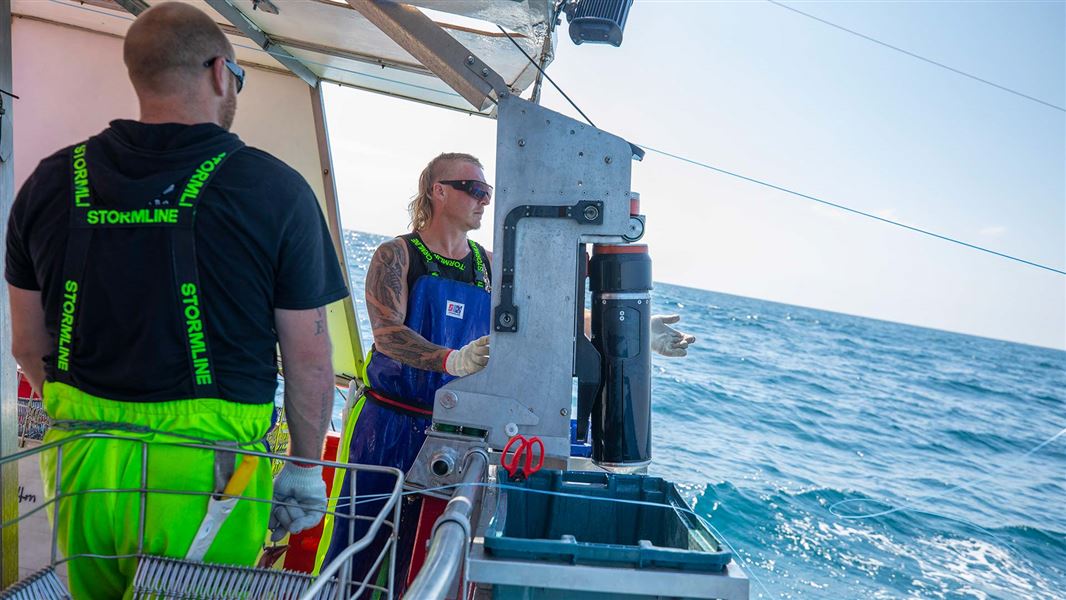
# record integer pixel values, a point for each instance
(254, 33)
(450, 543)
(336, 229)
(9, 482)
(545, 51)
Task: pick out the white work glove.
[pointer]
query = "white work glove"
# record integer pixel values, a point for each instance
(666, 340)
(469, 359)
(304, 493)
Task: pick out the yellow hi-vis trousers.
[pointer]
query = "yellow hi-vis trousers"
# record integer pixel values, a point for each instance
(96, 517)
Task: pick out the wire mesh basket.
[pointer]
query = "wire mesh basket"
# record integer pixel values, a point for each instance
(32, 419)
(165, 577)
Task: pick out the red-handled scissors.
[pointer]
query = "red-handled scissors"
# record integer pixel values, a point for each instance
(522, 457)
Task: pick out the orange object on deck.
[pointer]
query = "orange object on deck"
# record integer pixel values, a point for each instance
(303, 546)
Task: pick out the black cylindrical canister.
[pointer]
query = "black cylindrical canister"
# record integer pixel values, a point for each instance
(620, 281)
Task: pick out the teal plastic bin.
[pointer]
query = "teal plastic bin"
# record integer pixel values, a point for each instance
(585, 527)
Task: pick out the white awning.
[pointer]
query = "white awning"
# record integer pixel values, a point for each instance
(338, 44)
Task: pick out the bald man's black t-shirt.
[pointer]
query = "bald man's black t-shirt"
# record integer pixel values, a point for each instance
(261, 244)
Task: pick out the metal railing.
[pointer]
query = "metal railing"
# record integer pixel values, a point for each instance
(452, 535)
(295, 584)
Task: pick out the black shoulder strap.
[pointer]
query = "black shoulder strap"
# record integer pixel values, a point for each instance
(479, 265)
(187, 278)
(431, 263)
(86, 217)
(74, 261)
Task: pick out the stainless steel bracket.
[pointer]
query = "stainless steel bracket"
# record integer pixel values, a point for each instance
(440, 462)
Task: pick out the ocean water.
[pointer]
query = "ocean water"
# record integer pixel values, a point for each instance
(844, 457)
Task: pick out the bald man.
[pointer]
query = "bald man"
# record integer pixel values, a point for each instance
(153, 270)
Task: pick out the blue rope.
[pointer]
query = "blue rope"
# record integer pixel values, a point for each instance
(855, 211)
(748, 567)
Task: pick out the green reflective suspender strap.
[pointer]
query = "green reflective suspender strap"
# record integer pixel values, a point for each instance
(187, 276)
(479, 265)
(180, 221)
(431, 260)
(431, 264)
(73, 262)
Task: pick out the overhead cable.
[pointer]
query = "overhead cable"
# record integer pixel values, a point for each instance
(855, 211)
(546, 76)
(918, 56)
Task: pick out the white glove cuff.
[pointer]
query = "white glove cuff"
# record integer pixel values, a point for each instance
(299, 477)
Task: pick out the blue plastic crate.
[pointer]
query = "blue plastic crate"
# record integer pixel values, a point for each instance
(581, 449)
(584, 527)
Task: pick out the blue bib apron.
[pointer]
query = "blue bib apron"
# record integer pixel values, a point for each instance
(395, 412)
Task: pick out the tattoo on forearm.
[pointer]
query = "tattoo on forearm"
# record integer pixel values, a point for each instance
(327, 412)
(408, 347)
(320, 321)
(386, 301)
(308, 410)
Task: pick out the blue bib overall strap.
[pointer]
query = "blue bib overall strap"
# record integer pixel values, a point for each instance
(86, 217)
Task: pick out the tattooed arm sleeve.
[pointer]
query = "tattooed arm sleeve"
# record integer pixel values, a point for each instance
(386, 303)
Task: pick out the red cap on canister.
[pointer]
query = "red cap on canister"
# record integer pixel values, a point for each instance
(634, 204)
(619, 249)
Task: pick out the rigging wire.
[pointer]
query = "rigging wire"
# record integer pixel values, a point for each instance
(546, 76)
(679, 157)
(917, 56)
(793, 192)
(502, 488)
(855, 211)
(834, 508)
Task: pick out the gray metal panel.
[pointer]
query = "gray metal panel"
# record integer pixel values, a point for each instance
(542, 158)
(9, 561)
(731, 585)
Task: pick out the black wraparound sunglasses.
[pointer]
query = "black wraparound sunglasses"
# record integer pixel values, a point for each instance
(233, 67)
(479, 190)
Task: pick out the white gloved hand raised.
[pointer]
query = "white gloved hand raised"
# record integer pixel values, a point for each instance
(469, 359)
(665, 339)
(304, 494)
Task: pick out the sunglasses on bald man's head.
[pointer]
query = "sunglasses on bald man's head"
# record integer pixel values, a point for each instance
(233, 67)
(479, 190)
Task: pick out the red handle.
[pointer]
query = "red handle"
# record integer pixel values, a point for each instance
(522, 456)
(529, 468)
(511, 464)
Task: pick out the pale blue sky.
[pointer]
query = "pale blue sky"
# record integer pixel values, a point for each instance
(760, 90)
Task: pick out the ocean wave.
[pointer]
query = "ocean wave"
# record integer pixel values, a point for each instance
(801, 549)
(987, 440)
(972, 388)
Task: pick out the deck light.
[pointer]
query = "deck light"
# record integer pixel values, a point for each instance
(597, 21)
